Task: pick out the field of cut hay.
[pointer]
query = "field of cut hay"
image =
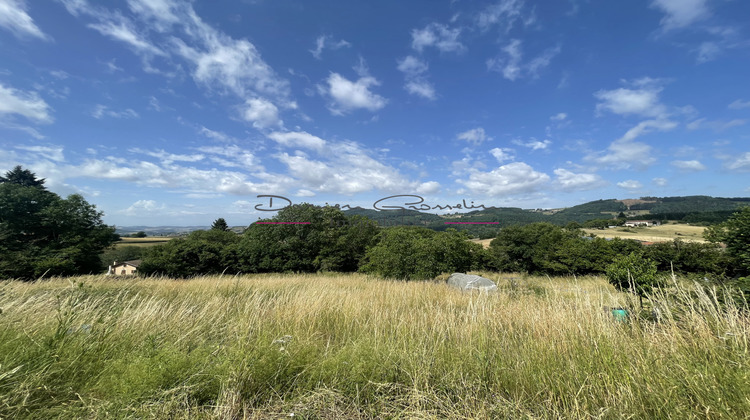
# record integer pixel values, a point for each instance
(663, 233)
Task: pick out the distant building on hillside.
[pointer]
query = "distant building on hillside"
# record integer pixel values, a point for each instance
(636, 223)
(127, 268)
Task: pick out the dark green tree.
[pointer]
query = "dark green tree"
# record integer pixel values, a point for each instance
(41, 233)
(22, 177)
(414, 253)
(735, 233)
(220, 224)
(328, 241)
(201, 252)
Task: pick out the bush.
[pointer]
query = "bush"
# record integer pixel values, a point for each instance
(634, 272)
(415, 253)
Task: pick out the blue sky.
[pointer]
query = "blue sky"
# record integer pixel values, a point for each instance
(167, 112)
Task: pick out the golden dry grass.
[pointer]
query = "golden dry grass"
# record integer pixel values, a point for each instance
(355, 346)
(661, 233)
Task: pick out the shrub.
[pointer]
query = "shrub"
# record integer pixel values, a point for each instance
(415, 253)
(634, 272)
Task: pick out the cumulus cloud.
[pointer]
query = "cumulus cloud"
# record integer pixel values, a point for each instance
(660, 182)
(15, 18)
(475, 136)
(513, 178)
(623, 155)
(502, 154)
(689, 165)
(26, 104)
(681, 13)
(298, 139)
(142, 208)
(348, 96)
(642, 101)
(262, 113)
(570, 181)
(439, 36)
(630, 184)
(414, 71)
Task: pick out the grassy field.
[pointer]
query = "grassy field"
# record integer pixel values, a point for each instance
(353, 346)
(143, 242)
(661, 233)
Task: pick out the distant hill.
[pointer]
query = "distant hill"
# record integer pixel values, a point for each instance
(698, 209)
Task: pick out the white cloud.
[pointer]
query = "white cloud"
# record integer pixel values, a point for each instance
(643, 101)
(438, 36)
(326, 41)
(421, 88)
(27, 104)
(688, 165)
(475, 136)
(430, 187)
(504, 12)
(715, 125)
(123, 31)
(660, 182)
(533, 143)
(570, 181)
(13, 17)
(298, 139)
(160, 13)
(233, 156)
(349, 96)
(414, 69)
(559, 117)
(513, 178)
(502, 154)
(647, 126)
(708, 51)
(511, 66)
(412, 66)
(168, 158)
(739, 163)
(173, 30)
(542, 60)
(739, 104)
(681, 13)
(623, 155)
(101, 111)
(143, 208)
(49, 152)
(261, 113)
(630, 185)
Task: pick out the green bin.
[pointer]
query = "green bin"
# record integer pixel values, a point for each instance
(620, 314)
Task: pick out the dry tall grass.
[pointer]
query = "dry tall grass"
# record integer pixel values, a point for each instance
(353, 346)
